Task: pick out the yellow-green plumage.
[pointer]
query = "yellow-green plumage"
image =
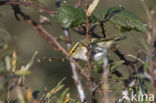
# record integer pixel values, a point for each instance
(99, 46)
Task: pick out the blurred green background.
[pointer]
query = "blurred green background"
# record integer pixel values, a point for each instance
(25, 41)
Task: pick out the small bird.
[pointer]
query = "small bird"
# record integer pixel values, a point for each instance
(99, 47)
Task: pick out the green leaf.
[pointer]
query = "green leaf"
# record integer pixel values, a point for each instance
(136, 58)
(70, 16)
(61, 98)
(4, 39)
(58, 87)
(115, 65)
(124, 20)
(22, 72)
(140, 84)
(61, 37)
(145, 45)
(31, 61)
(147, 84)
(98, 66)
(36, 93)
(93, 19)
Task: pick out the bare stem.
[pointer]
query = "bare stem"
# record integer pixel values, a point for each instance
(74, 70)
(105, 80)
(30, 4)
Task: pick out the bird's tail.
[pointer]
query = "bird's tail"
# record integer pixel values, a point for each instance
(119, 37)
(114, 38)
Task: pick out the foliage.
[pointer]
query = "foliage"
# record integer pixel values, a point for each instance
(69, 16)
(99, 76)
(123, 19)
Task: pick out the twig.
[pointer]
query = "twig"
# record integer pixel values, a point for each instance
(29, 4)
(78, 83)
(75, 73)
(83, 32)
(105, 76)
(91, 82)
(50, 59)
(68, 41)
(128, 63)
(102, 28)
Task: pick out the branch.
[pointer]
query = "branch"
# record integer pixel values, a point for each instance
(29, 4)
(105, 76)
(78, 83)
(126, 62)
(102, 28)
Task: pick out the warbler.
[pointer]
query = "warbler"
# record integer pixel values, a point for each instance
(99, 47)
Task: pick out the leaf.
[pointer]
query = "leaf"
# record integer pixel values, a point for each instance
(55, 89)
(136, 58)
(98, 66)
(147, 84)
(22, 72)
(31, 61)
(61, 98)
(61, 37)
(116, 65)
(145, 45)
(70, 16)
(93, 18)
(35, 93)
(141, 88)
(4, 39)
(8, 63)
(124, 20)
(92, 7)
(28, 95)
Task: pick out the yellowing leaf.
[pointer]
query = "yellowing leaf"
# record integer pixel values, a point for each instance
(28, 95)
(92, 7)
